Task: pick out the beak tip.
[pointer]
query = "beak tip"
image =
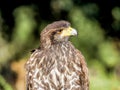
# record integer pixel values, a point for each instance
(74, 32)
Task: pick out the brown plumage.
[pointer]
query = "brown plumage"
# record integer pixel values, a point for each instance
(57, 64)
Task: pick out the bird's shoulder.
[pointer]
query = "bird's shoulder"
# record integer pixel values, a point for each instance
(32, 51)
(35, 53)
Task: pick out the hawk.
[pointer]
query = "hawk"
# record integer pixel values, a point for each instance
(57, 64)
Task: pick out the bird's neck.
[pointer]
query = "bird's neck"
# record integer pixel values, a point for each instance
(45, 42)
(48, 44)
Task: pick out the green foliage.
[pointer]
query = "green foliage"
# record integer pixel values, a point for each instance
(24, 24)
(22, 36)
(90, 9)
(104, 83)
(4, 84)
(89, 31)
(116, 13)
(116, 16)
(90, 35)
(59, 5)
(109, 54)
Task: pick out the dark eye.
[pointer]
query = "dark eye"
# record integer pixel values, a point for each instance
(60, 30)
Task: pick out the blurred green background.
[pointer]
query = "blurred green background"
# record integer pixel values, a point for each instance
(98, 25)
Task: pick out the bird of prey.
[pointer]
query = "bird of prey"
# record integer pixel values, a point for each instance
(57, 64)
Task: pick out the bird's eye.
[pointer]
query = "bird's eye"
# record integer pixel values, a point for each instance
(60, 30)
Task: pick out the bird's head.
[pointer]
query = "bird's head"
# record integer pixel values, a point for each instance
(57, 32)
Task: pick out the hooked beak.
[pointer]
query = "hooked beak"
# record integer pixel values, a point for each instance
(69, 32)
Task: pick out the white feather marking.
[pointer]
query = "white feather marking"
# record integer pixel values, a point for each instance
(41, 60)
(36, 72)
(54, 76)
(77, 68)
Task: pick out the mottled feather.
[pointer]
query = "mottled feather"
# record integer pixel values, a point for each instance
(56, 66)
